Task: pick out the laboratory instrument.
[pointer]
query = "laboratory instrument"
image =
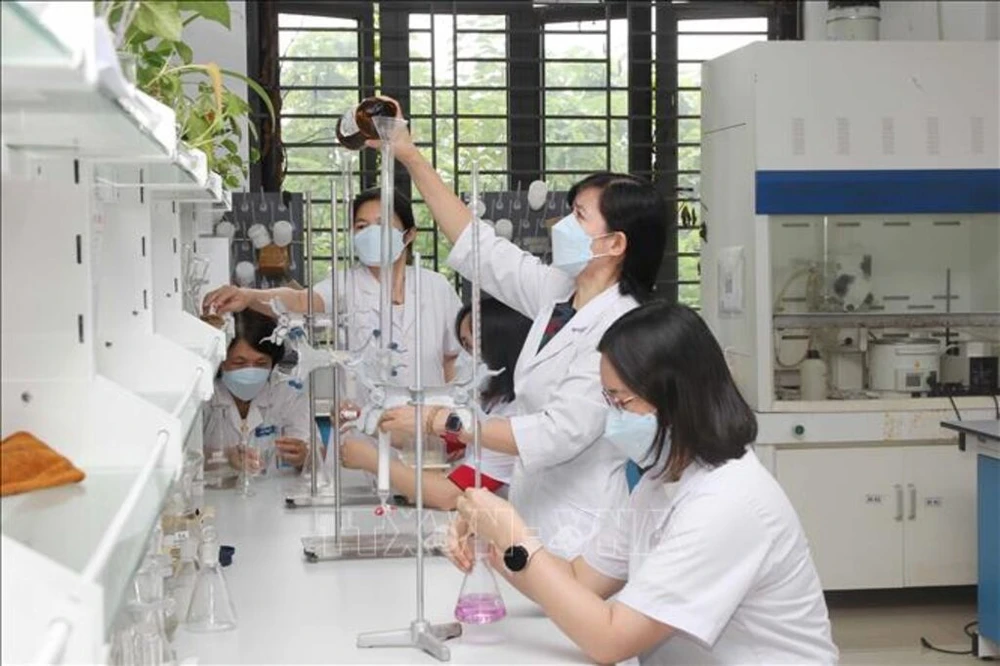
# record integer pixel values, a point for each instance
(359, 123)
(479, 601)
(211, 607)
(849, 206)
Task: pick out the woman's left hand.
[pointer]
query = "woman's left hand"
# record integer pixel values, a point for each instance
(400, 422)
(492, 518)
(292, 451)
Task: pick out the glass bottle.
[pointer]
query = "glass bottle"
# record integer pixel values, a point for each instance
(356, 125)
(211, 608)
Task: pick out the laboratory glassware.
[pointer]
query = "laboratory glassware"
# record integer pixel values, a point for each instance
(211, 608)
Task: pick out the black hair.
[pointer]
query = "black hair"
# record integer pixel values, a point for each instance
(634, 207)
(667, 356)
(503, 331)
(252, 327)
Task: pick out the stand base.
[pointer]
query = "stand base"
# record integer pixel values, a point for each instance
(305, 500)
(362, 547)
(421, 635)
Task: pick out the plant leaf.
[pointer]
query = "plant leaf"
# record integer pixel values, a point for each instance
(230, 145)
(161, 19)
(185, 52)
(210, 10)
(256, 87)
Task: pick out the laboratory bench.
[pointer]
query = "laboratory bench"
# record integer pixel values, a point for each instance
(982, 438)
(293, 611)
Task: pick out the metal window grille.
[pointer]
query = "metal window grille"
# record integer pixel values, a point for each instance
(533, 90)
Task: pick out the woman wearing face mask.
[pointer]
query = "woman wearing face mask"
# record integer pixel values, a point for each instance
(250, 404)
(708, 563)
(606, 255)
(440, 301)
(503, 334)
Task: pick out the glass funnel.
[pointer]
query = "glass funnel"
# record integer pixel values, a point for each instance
(211, 608)
(479, 600)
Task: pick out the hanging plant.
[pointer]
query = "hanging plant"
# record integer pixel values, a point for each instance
(209, 115)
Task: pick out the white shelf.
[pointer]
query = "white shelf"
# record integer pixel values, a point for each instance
(59, 95)
(69, 523)
(182, 177)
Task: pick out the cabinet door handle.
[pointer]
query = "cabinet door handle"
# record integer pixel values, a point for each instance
(913, 501)
(899, 502)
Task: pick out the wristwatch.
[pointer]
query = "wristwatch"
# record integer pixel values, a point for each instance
(453, 424)
(516, 557)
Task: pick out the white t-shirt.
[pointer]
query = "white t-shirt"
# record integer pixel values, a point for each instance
(440, 305)
(719, 556)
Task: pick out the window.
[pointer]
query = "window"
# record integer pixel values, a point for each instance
(698, 40)
(530, 90)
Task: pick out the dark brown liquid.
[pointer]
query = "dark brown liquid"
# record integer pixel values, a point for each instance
(369, 108)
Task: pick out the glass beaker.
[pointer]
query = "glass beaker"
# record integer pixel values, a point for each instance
(211, 608)
(479, 600)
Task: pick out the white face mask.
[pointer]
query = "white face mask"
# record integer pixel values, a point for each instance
(368, 244)
(464, 370)
(571, 251)
(633, 435)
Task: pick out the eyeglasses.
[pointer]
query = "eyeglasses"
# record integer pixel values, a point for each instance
(616, 401)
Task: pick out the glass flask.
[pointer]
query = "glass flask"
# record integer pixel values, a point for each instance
(152, 648)
(479, 600)
(211, 608)
(181, 585)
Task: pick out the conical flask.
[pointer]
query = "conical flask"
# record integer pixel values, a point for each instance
(479, 600)
(211, 607)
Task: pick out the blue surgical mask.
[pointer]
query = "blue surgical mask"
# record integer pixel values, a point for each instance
(368, 244)
(633, 435)
(571, 246)
(245, 383)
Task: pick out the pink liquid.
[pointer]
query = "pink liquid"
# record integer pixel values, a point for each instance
(480, 609)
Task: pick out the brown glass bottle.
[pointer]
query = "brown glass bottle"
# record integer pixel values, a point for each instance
(356, 126)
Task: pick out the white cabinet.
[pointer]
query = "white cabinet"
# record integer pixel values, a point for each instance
(885, 516)
(940, 532)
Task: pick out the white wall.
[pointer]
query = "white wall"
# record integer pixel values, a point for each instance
(918, 20)
(211, 42)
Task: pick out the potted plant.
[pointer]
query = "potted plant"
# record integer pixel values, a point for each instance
(148, 35)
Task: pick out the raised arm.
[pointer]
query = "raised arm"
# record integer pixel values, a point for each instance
(513, 276)
(230, 298)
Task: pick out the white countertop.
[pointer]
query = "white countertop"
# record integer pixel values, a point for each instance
(294, 612)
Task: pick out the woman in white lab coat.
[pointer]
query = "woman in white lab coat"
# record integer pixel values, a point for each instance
(503, 332)
(252, 405)
(606, 255)
(361, 295)
(708, 562)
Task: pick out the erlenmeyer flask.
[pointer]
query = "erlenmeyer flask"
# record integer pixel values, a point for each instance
(211, 607)
(479, 600)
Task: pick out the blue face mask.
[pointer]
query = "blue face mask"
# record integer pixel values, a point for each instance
(633, 434)
(245, 383)
(368, 244)
(571, 246)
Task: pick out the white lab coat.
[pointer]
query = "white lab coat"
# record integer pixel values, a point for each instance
(281, 409)
(440, 305)
(567, 474)
(720, 556)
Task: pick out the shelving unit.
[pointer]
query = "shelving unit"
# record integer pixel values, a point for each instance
(99, 357)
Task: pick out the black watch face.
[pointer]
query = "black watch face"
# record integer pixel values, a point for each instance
(454, 423)
(515, 558)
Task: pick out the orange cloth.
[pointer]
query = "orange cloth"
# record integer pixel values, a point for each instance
(27, 463)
